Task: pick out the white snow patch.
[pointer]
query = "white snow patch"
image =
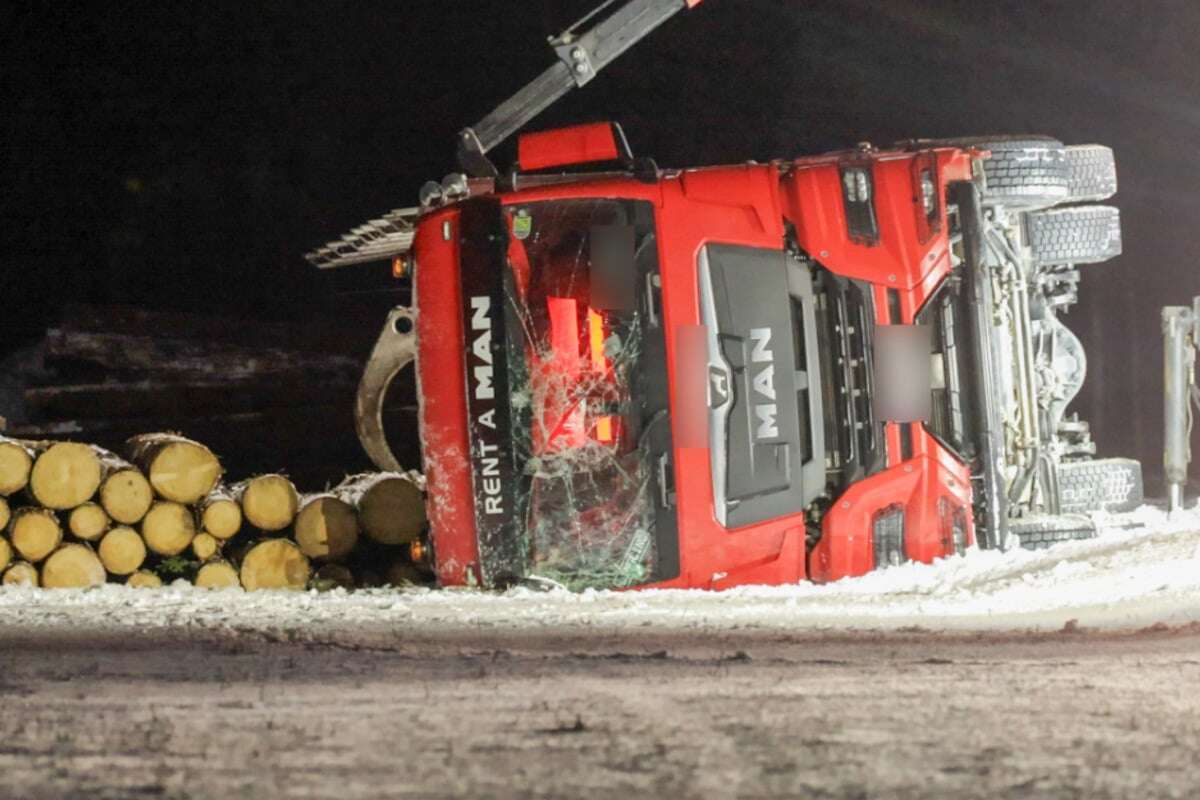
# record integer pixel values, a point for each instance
(1126, 577)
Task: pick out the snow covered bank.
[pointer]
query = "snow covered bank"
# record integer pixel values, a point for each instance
(1127, 577)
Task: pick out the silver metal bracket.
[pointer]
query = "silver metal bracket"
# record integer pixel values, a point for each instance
(1181, 339)
(578, 59)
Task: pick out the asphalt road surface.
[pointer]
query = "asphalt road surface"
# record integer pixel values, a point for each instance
(547, 713)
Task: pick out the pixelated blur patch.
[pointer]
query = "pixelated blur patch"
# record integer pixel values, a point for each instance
(903, 373)
(691, 385)
(613, 269)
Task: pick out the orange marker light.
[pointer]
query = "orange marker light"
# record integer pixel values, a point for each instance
(400, 266)
(604, 425)
(596, 340)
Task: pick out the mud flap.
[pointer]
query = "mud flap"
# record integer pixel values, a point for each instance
(395, 349)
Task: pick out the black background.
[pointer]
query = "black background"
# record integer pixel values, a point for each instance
(184, 156)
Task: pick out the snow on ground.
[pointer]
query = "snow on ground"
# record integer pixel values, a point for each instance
(1142, 569)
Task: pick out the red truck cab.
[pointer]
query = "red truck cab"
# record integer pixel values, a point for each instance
(666, 378)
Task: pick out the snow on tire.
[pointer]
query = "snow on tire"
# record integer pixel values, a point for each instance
(1091, 172)
(1024, 172)
(1106, 484)
(1075, 235)
(1038, 533)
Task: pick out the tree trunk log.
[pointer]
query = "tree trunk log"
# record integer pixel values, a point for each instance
(35, 533)
(16, 462)
(168, 528)
(126, 495)
(66, 475)
(156, 399)
(88, 522)
(258, 442)
(403, 573)
(144, 579)
(179, 469)
(333, 576)
(72, 566)
(5, 514)
(122, 551)
(6, 554)
(269, 502)
(205, 546)
(123, 355)
(275, 564)
(326, 527)
(220, 514)
(390, 507)
(21, 573)
(317, 335)
(217, 575)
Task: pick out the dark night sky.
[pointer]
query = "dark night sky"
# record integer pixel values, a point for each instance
(184, 156)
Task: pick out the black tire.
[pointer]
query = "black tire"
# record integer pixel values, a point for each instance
(1091, 172)
(1107, 484)
(1039, 533)
(1024, 172)
(1075, 235)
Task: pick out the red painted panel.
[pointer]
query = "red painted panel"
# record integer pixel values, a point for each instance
(443, 401)
(578, 144)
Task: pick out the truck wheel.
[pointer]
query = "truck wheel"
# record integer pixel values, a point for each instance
(1091, 172)
(1038, 533)
(1107, 484)
(1076, 235)
(1023, 171)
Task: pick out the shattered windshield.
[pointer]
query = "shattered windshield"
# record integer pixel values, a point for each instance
(577, 325)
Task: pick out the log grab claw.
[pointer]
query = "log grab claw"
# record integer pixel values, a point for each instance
(394, 350)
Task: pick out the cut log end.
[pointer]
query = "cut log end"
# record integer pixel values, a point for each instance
(275, 564)
(205, 546)
(65, 475)
(72, 566)
(126, 495)
(392, 511)
(269, 502)
(88, 522)
(404, 573)
(168, 528)
(217, 575)
(144, 579)
(5, 513)
(222, 518)
(15, 466)
(6, 554)
(21, 573)
(35, 533)
(179, 469)
(326, 527)
(122, 551)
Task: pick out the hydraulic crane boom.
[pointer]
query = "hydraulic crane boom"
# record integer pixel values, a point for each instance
(580, 57)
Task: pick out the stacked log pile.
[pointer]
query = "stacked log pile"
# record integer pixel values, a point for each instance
(77, 515)
(261, 394)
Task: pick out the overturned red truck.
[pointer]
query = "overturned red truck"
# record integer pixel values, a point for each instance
(752, 374)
